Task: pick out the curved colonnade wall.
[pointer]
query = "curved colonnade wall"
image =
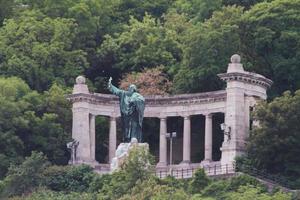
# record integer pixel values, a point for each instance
(242, 92)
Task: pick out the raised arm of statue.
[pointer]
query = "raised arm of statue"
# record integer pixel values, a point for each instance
(114, 89)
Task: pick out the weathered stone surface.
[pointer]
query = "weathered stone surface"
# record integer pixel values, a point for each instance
(123, 151)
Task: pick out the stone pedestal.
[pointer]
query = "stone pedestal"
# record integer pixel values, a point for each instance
(123, 151)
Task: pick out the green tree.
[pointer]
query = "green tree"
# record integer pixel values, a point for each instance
(45, 134)
(69, 178)
(199, 181)
(54, 101)
(45, 194)
(138, 165)
(6, 9)
(250, 192)
(40, 50)
(270, 35)
(25, 177)
(197, 10)
(29, 121)
(216, 189)
(52, 8)
(12, 91)
(274, 144)
(136, 168)
(207, 50)
(245, 3)
(142, 44)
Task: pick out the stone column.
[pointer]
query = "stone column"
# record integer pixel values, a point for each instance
(162, 142)
(81, 123)
(112, 138)
(186, 140)
(81, 132)
(92, 136)
(208, 138)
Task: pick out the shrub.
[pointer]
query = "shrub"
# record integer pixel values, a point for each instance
(135, 169)
(69, 178)
(199, 181)
(216, 189)
(25, 177)
(117, 186)
(251, 192)
(138, 165)
(171, 181)
(43, 194)
(99, 181)
(200, 197)
(243, 180)
(166, 193)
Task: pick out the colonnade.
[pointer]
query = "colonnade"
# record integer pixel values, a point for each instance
(243, 89)
(186, 154)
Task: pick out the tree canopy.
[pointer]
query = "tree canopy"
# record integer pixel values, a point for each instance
(167, 46)
(274, 144)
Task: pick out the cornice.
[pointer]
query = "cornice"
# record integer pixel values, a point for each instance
(154, 100)
(247, 77)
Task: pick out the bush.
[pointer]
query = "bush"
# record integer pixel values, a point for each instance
(143, 190)
(171, 181)
(25, 177)
(251, 192)
(135, 169)
(117, 186)
(199, 181)
(199, 197)
(69, 178)
(243, 180)
(216, 189)
(167, 193)
(99, 181)
(138, 165)
(43, 194)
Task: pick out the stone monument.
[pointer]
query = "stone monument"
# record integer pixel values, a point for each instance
(236, 102)
(132, 106)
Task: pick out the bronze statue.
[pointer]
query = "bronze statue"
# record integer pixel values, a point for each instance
(132, 106)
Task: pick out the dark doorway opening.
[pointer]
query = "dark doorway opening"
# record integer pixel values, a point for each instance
(175, 124)
(197, 138)
(102, 131)
(218, 135)
(151, 135)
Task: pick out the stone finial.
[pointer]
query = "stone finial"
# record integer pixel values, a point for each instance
(80, 80)
(80, 86)
(235, 65)
(235, 58)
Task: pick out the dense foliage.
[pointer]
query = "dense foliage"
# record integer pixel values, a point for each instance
(165, 46)
(32, 121)
(134, 181)
(275, 144)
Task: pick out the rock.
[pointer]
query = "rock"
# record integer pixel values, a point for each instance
(122, 153)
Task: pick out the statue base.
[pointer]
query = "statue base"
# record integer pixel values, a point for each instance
(122, 153)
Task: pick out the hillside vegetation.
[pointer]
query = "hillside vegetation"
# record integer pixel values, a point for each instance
(165, 47)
